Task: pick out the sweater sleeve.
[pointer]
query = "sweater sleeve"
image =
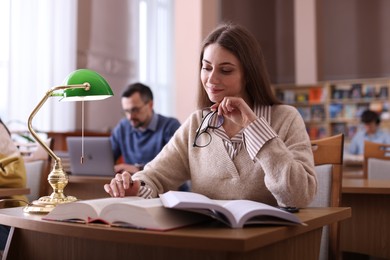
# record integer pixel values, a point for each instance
(287, 160)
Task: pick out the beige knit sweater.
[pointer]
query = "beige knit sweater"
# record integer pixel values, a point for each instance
(281, 174)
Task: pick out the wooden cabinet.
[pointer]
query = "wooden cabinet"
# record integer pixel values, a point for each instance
(333, 107)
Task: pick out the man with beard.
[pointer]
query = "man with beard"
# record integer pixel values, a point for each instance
(141, 135)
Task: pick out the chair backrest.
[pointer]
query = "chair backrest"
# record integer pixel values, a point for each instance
(376, 160)
(328, 159)
(38, 166)
(34, 174)
(329, 151)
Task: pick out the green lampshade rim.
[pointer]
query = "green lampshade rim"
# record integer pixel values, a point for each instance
(99, 88)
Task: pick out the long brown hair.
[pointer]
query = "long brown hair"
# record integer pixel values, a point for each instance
(241, 43)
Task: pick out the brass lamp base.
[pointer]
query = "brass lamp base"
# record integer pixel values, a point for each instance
(57, 180)
(45, 204)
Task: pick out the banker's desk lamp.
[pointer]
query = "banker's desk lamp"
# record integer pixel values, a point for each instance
(80, 85)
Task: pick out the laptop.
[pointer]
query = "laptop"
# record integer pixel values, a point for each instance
(98, 158)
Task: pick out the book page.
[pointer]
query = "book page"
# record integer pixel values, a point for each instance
(73, 212)
(198, 203)
(100, 204)
(84, 210)
(236, 212)
(245, 210)
(146, 214)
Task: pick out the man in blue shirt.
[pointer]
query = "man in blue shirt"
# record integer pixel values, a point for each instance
(141, 135)
(370, 132)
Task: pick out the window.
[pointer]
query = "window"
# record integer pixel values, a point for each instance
(156, 51)
(4, 57)
(37, 50)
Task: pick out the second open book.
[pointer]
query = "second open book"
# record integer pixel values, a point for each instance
(234, 213)
(174, 209)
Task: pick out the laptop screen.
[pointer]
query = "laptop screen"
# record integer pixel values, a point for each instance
(98, 159)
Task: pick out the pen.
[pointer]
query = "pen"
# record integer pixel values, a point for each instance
(290, 209)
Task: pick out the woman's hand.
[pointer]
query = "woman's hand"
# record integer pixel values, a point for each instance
(236, 110)
(122, 185)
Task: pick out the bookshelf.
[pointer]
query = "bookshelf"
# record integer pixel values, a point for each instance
(333, 107)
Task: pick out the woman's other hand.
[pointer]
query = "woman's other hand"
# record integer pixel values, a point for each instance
(122, 185)
(236, 110)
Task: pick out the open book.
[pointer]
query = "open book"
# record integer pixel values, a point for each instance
(131, 212)
(234, 213)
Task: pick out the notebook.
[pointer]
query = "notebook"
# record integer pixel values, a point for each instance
(98, 157)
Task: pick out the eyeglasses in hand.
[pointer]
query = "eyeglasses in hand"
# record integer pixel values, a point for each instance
(210, 119)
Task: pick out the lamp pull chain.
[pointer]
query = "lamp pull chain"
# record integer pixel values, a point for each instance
(82, 132)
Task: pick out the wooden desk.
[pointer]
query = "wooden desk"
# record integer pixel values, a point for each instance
(368, 231)
(6, 192)
(41, 239)
(365, 186)
(352, 172)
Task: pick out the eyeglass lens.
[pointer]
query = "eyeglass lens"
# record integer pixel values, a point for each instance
(134, 110)
(210, 120)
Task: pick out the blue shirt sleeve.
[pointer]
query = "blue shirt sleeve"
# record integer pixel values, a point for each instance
(116, 137)
(172, 125)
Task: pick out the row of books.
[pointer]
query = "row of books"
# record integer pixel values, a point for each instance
(315, 113)
(312, 95)
(358, 91)
(354, 111)
(318, 94)
(317, 132)
(343, 128)
(347, 111)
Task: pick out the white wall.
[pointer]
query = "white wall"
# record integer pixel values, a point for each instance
(104, 45)
(305, 42)
(193, 21)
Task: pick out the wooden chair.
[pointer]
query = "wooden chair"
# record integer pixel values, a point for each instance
(376, 161)
(328, 159)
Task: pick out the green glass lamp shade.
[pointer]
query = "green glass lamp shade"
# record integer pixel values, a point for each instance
(99, 86)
